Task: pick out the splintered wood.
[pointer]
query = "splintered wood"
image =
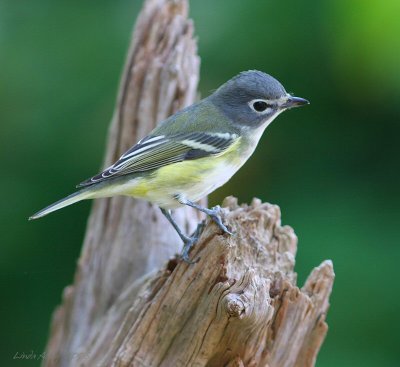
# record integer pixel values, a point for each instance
(238, 305)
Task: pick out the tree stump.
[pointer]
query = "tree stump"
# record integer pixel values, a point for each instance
(130, 306)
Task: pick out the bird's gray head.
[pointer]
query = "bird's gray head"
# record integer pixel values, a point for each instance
(253, 98)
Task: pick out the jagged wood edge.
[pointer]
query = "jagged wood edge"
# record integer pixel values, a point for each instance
(239, 305)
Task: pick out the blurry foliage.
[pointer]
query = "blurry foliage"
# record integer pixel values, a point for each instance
(333, 167)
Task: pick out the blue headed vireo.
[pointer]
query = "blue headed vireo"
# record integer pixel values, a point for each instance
(194, 151)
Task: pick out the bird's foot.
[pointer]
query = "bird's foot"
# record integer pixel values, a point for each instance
(214, 214)
(189, 242)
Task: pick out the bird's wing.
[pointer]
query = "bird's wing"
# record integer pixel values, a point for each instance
(154, 152)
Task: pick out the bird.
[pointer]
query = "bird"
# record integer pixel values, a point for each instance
(193, 152)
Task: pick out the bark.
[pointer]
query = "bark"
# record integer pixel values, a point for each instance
(238, 306)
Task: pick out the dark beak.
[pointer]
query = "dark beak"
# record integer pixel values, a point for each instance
(294, 102)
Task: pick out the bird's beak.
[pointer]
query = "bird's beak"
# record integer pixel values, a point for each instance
(294, 102)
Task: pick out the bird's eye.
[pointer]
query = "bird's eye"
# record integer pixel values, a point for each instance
(259, 105)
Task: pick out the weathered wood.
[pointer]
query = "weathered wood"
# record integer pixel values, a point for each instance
(238, 306)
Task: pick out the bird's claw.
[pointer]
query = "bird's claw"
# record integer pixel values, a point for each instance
(215, 216)
(188, 244)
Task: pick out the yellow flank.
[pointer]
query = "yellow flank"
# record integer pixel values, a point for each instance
(139, 190)
(192, 179)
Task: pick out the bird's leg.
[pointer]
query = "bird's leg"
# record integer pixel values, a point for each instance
(188, 242)
(213, 213)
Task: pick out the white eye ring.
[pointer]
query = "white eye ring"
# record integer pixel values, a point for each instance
(260, 106)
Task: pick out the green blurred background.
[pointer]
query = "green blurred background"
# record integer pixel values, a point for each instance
(333, 167)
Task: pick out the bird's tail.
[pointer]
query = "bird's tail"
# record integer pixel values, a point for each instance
(71, 199)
